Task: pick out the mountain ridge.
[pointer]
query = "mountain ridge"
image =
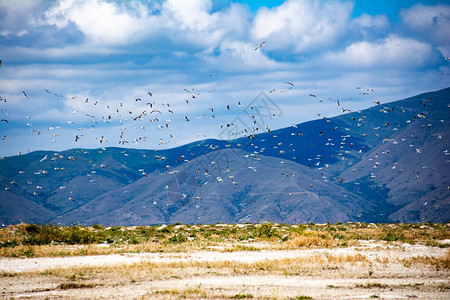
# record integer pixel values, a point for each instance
(390, 160)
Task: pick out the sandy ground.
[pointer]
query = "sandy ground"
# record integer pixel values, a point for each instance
(383, 275)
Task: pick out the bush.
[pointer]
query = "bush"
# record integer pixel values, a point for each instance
(267, 230)
(178, 238)
(50, 234)
(81, 235)
(98, 227)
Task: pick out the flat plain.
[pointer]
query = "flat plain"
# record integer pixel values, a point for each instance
(226, 261)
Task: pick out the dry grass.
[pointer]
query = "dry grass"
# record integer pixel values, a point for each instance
(168, 279)
(437, 262)
(323, 241)
(198, 293)
(166, 270)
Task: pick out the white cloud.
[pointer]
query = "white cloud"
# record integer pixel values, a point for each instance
(16, 16)
(368, 21)
(236, 56)
(190, 15)
(101, 22)
(429, 22)
(192, 22)
(392, 51)
(174, 21)
(299, 26)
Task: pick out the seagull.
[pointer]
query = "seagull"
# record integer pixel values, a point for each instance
(214, 74)
(290, 83)
(260, 45)
(25, 94)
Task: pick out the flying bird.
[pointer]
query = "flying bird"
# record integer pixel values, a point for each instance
(260, 45)
(25, 94)
(290, 83)
(213, 74)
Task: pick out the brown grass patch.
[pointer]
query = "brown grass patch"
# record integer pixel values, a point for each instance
(437, 262)
(76, 285)
(310, 241)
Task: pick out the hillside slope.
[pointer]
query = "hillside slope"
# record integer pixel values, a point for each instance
(388, 163)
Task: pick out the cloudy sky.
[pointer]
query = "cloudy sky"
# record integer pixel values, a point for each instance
(77, 74)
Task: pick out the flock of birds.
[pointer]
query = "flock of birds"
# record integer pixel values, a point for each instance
(147, 110)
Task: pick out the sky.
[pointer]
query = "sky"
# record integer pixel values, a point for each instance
(159, 74)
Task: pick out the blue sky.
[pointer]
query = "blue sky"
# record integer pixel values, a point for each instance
(84, 64)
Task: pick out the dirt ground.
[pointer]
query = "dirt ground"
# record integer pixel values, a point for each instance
(369, 270)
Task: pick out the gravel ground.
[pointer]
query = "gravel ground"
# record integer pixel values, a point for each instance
(28, 279)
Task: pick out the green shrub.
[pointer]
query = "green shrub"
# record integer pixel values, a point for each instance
(267, 230)
(98, 227)
(178, 238)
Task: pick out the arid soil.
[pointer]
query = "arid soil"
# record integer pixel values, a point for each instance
(369, 270)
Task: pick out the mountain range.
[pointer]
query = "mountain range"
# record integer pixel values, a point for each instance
(388, 163)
